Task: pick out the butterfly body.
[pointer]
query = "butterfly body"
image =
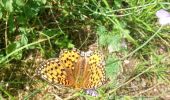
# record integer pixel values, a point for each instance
(80, 70)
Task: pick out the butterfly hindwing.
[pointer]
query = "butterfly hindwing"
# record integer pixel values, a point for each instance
(96, 70)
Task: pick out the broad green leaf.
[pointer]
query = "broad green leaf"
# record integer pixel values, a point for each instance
(20, 2)
(44, 1)
(9, 6)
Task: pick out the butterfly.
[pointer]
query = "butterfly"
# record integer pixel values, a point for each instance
(75, 69)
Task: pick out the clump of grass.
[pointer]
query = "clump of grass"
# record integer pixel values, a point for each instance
(135, 46)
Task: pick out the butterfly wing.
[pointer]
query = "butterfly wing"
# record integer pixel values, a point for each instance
(53, 71)
(95, 75)
(60, 70)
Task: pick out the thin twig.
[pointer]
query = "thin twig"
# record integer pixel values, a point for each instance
(143, 91)
(6, 29)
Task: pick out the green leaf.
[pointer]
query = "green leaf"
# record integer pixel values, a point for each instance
(41, 1)
(20, 2)
(115, 43)
(9, 6)
(44, 1)
(118, 3)
(70, 45)
(103, 40)
(101, 30)
(11, 23)
(63, 42)
(112, 68)
(11, 48)
(1, 13)
(24, 39)
(129, 38)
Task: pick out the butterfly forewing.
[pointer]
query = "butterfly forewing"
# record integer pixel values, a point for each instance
(54, 72)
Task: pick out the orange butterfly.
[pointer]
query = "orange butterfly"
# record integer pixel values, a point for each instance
(80, 70)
